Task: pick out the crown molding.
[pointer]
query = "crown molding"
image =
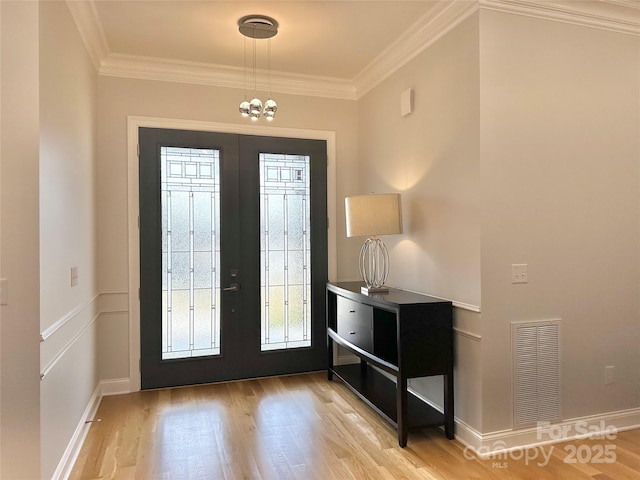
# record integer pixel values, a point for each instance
(616, 15)
(622, 16)
(433, 25)
(86, 18)
(167, 70)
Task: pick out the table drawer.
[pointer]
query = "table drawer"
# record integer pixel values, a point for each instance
(355, 323)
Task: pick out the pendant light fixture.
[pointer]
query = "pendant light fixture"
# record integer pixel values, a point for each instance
(257, 27)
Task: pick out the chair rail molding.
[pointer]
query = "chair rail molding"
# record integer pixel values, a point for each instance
(60, 336)
(58, 324)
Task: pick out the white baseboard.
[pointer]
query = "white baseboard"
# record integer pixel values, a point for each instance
(75, 444)
(464, 433)
(116, 386)
(105, 388)
(601, 426)
(496, 443)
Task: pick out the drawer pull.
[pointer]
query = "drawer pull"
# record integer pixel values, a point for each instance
(352, 333)
(352, 311)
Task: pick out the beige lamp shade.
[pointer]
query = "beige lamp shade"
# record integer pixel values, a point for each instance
(373, 215)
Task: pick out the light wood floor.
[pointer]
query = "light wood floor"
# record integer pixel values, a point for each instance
(300, 427)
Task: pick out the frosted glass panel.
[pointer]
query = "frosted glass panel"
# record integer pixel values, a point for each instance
(179, 213)
(180, 274)
(202, 218)
(285, 251)
(190, 194)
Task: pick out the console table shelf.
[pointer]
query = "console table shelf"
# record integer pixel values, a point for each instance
(380, 393)
(404, 334)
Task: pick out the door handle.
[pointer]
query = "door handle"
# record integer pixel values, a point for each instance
(232, 288)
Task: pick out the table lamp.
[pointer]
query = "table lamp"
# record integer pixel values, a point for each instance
(371, 216)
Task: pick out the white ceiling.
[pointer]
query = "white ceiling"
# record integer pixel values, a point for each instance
(330, 48)
(320, 38)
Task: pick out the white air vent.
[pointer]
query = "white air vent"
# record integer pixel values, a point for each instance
(536, 372)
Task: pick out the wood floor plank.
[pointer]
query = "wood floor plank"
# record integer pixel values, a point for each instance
(300, 427)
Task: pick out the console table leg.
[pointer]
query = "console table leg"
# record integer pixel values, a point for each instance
(329, 358)
(448, 406)
(402, 411)
(363, 368)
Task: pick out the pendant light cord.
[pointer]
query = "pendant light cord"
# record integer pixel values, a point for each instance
(269, 68)
(244, 46)
(255, 81)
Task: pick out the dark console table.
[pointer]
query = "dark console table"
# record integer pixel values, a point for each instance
(404, 334)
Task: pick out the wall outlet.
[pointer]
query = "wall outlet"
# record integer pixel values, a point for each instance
(608, 374)
(519, 273)
(74, 276)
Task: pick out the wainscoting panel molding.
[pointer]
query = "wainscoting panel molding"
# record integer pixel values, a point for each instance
(114, 302)
(62, 334)
(62, 321)
(70, 377)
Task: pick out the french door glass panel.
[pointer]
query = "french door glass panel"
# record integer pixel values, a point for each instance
(190, 200)
(285, 247)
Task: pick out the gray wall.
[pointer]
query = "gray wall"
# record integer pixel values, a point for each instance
(19, 241)
(431, 157)
(560, 187)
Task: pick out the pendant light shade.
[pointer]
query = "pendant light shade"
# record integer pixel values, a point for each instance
(255, 107)
(244, 108)
(270, 107)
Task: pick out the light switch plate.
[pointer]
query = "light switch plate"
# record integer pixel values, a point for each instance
(519, 273)
(608, 374)
(406, 102)
(4, 291)
(74, 276)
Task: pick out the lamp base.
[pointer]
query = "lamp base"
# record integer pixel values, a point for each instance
(367, 290)
(374, 265)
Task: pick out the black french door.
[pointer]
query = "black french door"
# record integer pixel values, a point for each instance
(233, 256)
